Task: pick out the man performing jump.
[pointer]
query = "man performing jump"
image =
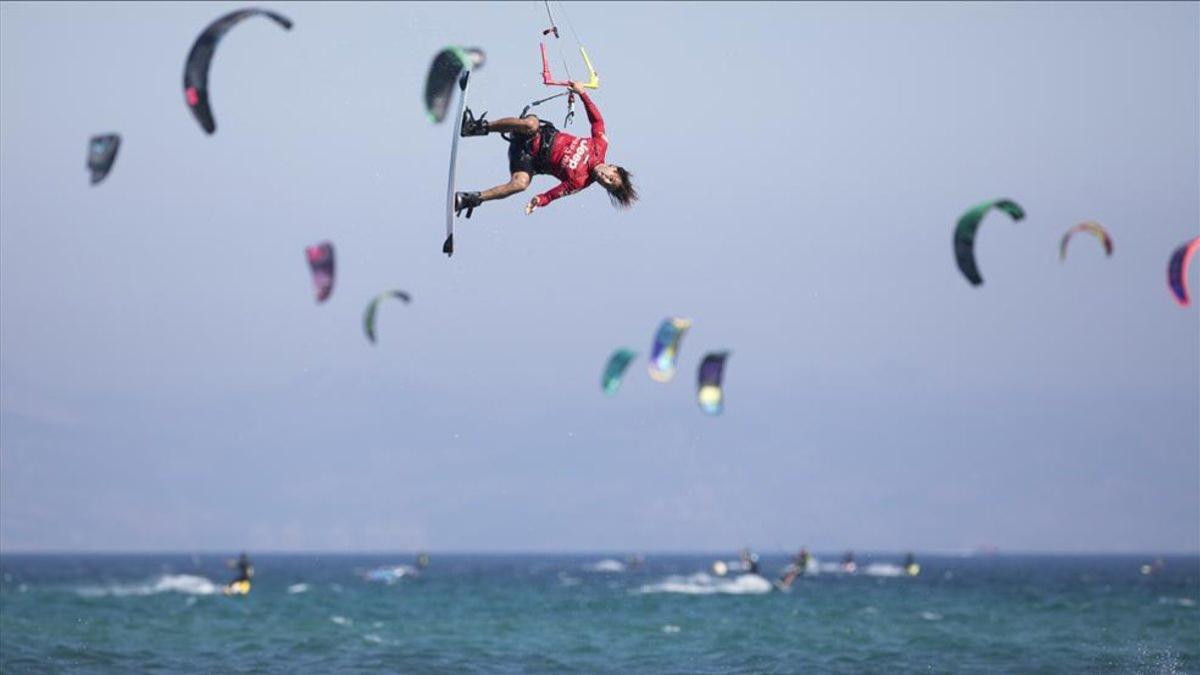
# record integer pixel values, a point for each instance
(536, 147)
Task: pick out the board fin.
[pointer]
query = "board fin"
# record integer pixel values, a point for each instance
(448, 247)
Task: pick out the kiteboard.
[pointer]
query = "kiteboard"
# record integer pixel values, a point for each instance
(448, 247)
(237, 588)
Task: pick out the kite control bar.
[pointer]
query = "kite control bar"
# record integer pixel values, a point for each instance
(548, 79)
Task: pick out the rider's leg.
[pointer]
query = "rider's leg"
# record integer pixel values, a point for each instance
(520, 126)
(525, 126)
(518, 183)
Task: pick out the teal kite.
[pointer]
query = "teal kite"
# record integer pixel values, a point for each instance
(964, 234)
(614, 371)
(369, 315)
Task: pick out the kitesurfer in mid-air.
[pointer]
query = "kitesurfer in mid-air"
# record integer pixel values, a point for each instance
(537, 147)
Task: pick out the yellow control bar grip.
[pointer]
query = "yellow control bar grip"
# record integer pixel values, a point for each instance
(594, 82)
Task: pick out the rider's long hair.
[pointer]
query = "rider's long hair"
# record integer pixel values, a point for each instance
(624, 195)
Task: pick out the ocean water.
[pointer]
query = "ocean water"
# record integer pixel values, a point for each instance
(558, 613)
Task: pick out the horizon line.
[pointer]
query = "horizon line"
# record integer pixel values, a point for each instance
(955, 553)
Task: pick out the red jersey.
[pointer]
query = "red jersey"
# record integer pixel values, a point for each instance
(572, 158)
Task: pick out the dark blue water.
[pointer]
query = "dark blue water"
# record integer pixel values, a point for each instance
(320, 613)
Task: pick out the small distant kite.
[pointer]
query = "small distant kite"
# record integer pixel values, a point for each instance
(102, 152)
(369, 315)
(320, 262)
(1177, 271)
(709, 394)
(1091, 227)
(665, 349)
(964, 234)
(443, 75)
(195, 70)
(614, 370)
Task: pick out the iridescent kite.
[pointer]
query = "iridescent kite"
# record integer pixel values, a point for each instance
(964, 235)
(614, 371)
(709, 394)
(369, 315)
(1091, 227)
(1177, 271)
(665, 350)
(320, 261)
(102, 152)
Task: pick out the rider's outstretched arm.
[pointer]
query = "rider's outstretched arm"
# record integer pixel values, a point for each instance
(553, 193)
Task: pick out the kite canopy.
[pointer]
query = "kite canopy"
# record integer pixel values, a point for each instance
(964, 234)
(369, 315)
(320, 261)
(443, 78)
(102, 152)
(1177, 271)
(614, 371)
(665, 349)
(195, 70)
(709, 394)
(1091, 227)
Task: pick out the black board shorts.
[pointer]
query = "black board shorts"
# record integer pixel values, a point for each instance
(520, 151)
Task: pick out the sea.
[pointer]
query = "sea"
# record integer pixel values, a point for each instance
(601, 613)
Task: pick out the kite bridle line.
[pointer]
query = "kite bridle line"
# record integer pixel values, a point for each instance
(593, 79)
(548, 78)
(553, 28)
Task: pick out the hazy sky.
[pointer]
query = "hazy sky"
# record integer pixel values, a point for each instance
(168, 382)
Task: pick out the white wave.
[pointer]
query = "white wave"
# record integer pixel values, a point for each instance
(883, 570)
(372, 637)
(340, 620)
(297, 588)
(702, 583)
(606, 565)
(188, 584)
(931, 616)
(390, 574)
(671, 628)
(1152, 660)
(1179, 602)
